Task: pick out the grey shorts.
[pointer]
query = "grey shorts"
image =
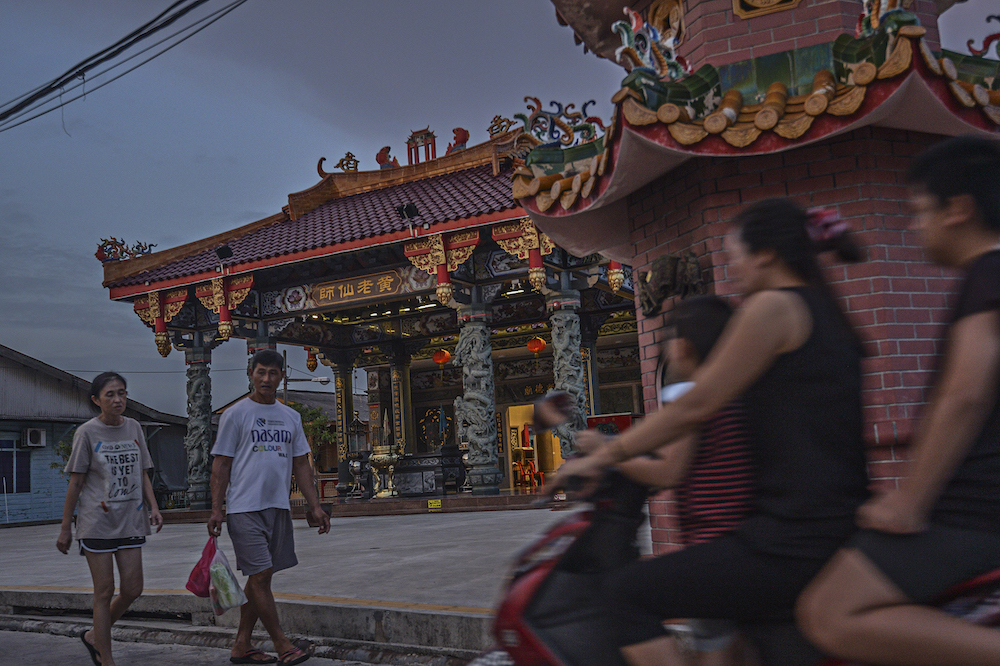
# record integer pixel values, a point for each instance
(262, 540)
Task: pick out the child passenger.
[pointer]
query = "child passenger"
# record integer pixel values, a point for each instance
(942, 525)
(710, 470)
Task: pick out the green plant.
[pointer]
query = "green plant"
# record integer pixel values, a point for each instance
(63, 449)
(317, 427)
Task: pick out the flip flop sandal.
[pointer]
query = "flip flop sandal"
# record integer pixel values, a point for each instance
(94, 654)
(297, 660)
(248, 657)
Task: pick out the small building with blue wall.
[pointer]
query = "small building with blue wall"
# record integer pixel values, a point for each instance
(39, 407)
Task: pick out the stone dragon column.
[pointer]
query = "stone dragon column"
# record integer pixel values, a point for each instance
(475, 409)
(198, 440)
(567, 361)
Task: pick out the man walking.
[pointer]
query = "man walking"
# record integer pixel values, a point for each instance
(259, 446)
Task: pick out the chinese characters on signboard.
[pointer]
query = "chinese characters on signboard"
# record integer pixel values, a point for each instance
(360, 288)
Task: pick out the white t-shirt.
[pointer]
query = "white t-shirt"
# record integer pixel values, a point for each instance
(261, 440)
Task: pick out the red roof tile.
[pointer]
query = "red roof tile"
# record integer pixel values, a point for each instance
(439, 199)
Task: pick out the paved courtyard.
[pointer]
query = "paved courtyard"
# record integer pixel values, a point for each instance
(453, 559)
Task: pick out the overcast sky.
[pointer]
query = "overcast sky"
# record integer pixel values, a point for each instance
(216, 132)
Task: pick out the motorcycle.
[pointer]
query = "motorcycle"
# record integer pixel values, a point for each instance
(551, 612)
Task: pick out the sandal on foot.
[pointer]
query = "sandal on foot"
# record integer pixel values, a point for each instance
(291, 659)
(94, 654)
(248, 657)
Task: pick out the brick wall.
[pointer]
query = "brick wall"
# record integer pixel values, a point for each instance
(897, 301)
(718, 36)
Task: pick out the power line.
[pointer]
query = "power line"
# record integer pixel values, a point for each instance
(24, 108)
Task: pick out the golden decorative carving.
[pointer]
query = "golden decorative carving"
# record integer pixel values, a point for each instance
(727, 113)
(536, 276)
(426, 253)
(686, 134)
(162, 343)
(961, 94)
(616, 278)
(898, 61)
(741, 136)
(146, 314)
(792, 127)
(239, 289)
(519, 188)
(750, 8)
(865, 73)
(459, 256)
(847, 103)
(667, 16)
(671, 113)
(154, 303)
(499, 125)
(914, 31)
(624, 94)
(929, 59)
(568, 199)
(638, 114)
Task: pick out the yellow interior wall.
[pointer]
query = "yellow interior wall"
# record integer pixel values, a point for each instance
(547, 457)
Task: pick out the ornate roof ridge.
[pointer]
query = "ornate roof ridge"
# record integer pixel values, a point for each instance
(559, 184)
(337, 185)
(115, 271)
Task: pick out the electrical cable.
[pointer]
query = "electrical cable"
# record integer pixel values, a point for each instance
(80, 69)
(218, 14)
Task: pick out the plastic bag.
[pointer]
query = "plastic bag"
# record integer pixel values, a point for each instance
(225, 590)
(200, 578)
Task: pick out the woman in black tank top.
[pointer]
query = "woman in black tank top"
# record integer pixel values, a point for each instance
(792, 356)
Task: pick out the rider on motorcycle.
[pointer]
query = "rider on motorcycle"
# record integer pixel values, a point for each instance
(790, 353)
(942, 524)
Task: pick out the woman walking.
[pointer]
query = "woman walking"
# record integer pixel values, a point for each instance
(108, 480)
(791, 355)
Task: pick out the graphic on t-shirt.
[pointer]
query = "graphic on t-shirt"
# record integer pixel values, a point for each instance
(122, 461)
(266, 437)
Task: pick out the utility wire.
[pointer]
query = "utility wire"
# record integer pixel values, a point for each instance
(81, 68)
(218, 14)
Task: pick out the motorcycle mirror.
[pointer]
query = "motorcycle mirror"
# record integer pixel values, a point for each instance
(553, 410)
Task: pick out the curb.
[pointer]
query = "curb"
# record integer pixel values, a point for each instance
(338, 624)
(351, 653)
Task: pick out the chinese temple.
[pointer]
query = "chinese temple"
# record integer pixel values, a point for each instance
(433, 279)
(726, 102)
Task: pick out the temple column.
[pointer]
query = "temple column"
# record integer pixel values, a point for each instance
(475, 409)
(590, 326)
(342, 363)
(198, 440)
(567, 363)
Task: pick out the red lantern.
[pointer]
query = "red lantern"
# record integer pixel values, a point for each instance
(536, 346)
(441, 356)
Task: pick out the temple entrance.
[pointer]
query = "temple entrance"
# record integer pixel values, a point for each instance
(530, 455)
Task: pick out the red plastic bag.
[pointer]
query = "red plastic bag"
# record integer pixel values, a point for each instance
(200, 578)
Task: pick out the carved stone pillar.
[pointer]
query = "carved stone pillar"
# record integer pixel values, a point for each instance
(568, 369)
(198, 440)
(475, 410)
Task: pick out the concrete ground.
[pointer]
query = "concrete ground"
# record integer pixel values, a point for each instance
(453, 564)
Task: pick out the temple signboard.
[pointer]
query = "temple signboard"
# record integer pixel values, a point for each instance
(362, 288)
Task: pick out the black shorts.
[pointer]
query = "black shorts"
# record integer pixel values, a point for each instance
(110, 545)
(924, 565)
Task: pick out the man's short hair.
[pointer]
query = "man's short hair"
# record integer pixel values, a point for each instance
(268, 358)
(962, 165)
(700, 320)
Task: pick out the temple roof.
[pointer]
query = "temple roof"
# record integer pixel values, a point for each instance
(344, 211)
(729, 113)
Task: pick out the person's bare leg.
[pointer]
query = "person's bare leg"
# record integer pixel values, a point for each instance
(662, 651)
(130, 581)
(248, 620)
(258, 591)
(103, 574)
(851, 610)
